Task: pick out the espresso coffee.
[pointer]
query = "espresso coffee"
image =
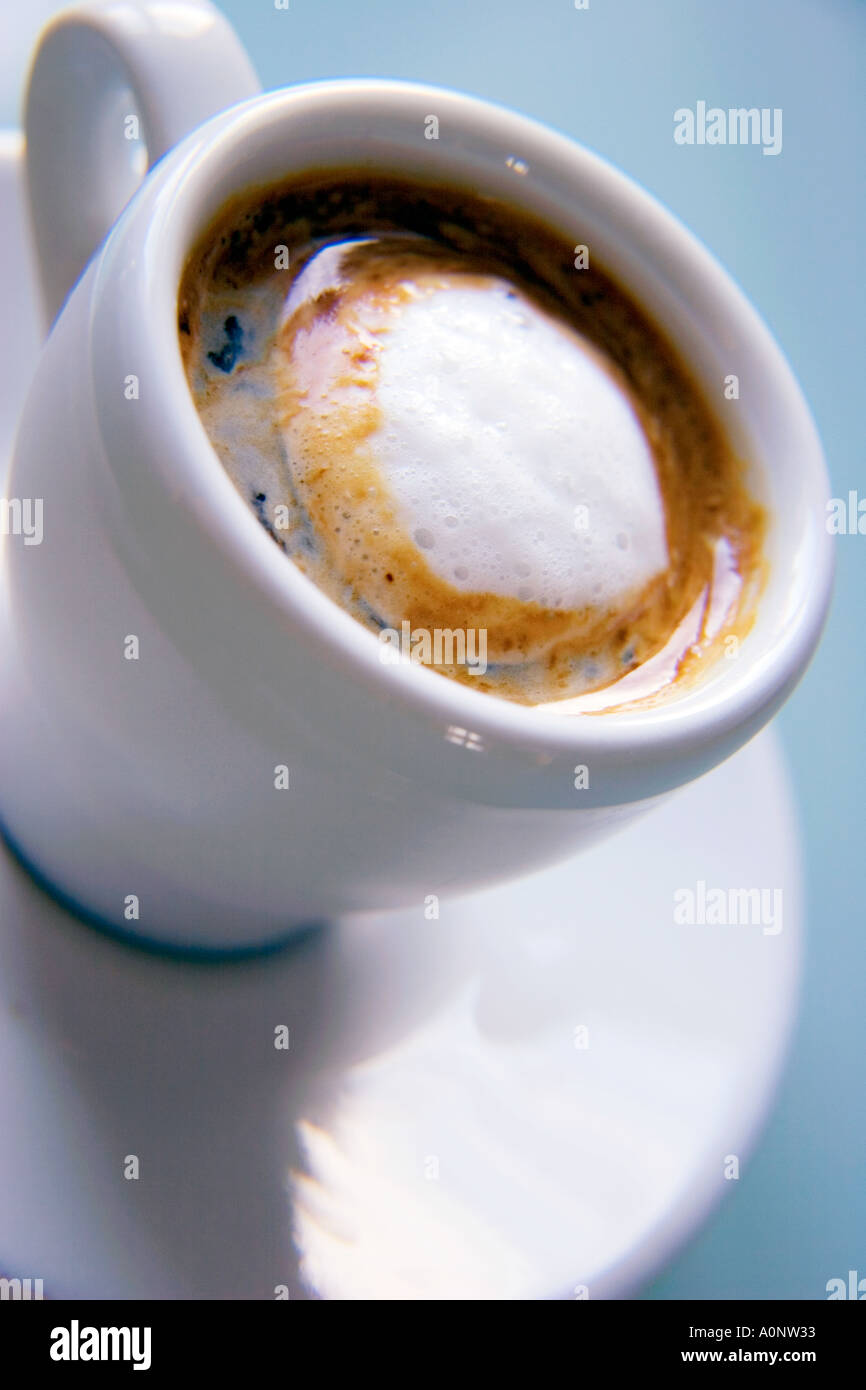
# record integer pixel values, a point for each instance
(478, 445)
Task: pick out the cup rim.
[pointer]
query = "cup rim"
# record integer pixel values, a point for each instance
(176, 192)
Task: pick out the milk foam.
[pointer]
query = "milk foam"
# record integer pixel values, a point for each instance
(508, 452)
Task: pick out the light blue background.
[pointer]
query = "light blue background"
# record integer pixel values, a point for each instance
(790, 229)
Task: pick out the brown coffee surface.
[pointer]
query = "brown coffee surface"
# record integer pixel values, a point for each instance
(333, 517)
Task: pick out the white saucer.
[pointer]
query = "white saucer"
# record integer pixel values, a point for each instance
(433, 1130)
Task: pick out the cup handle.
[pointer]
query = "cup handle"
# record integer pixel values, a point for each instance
(113, 85)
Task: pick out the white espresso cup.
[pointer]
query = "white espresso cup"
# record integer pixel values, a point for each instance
(197, 746)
